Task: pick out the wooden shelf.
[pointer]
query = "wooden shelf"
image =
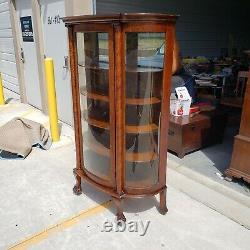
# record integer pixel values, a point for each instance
(129, 101)
(102, 66)
(105, 66)
(94, 96)
(97, 123)
(141, 157)
(129, 129)
(143, 69)
(130, 156)
(142, 101)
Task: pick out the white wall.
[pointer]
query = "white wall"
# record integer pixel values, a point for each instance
(203, 27)
(7, 54)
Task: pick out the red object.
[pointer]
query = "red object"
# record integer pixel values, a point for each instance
(194, 109)
(180, 111)
(201, 104)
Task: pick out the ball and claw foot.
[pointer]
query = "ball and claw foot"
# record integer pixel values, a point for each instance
(74, 172)
(163, 211)
(120, 218)
(77, 190)
(163, 206)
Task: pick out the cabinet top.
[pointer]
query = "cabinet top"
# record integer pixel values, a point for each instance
(121, 17)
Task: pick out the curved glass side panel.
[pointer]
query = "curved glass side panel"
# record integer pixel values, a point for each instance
(144, 77)
(93, 68)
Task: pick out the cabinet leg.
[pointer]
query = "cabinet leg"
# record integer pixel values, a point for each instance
(119, 208)
(181, 154)
(163, 207)
(77, 189)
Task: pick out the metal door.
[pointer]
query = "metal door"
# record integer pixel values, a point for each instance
(28, 53)
(56, 47)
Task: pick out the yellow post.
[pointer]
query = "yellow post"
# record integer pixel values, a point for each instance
(2, 102)
(51, 93)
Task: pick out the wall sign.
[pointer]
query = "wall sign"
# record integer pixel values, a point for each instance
(54, 19)
(27, 29)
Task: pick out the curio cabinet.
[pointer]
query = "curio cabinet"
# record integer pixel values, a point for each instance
(121, 75)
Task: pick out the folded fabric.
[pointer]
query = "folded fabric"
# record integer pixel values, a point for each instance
(19, 135)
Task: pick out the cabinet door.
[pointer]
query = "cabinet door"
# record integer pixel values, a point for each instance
(96, 85)
(145, 77)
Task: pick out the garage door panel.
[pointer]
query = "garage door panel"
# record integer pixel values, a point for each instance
(4, 7)
(8, 68)
(8, 57)
(6, 33)
(11, 79)
(5, 20)
(197, 36)
(6, 45)
(11, 86)
(7, 54)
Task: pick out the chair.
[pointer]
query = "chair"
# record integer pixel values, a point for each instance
(238, 94)
(241, 83)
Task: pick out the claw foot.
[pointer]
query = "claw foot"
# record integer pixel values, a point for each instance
(163, 211)
(77, 190)
(74, 172)
(120, 218)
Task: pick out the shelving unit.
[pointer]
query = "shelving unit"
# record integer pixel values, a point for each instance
(121, 103)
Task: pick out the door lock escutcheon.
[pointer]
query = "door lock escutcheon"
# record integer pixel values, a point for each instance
(22, 55)
(66, 62)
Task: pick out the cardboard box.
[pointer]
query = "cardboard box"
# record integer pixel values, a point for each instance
(181, 105)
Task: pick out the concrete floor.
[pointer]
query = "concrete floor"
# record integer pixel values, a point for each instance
(213, 161)
(39, 211)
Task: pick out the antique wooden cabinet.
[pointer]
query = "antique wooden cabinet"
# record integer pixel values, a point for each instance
(121, 90)
(187, 134)
(240, 162)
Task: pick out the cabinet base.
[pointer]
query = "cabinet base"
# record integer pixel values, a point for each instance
(163, 207)
(231, 172)
(119, 207)
(118, 199)
(77, 190)
(239, 166)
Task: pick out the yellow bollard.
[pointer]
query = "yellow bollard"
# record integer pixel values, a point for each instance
(51, 93)
(2, 102)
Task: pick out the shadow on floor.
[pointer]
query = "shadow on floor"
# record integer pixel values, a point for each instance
(131, 205)
(214, 160)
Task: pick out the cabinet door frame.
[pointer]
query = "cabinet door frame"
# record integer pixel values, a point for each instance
(73, 30)
(150, 27)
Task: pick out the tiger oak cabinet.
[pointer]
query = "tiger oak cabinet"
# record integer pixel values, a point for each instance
(240, 164)
(121, 92)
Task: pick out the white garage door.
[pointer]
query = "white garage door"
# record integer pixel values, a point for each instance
(7, 54)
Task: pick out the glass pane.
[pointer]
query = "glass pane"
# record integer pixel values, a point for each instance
(144, 76)
(93, 68)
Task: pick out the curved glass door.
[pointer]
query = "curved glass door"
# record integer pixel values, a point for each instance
(93, 70)
(144, 78)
